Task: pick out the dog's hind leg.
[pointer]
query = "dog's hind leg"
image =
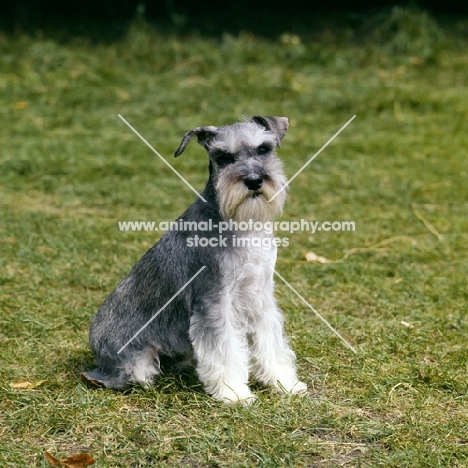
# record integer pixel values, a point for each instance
(142, 368)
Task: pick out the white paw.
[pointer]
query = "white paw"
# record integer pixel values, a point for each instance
(240, 394)
(293, 387)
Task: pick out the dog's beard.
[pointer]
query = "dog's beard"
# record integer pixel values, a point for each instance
(238, 203)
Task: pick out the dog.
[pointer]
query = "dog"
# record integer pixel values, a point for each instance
(210, 304)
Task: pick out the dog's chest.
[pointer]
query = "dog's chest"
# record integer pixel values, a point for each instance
(248, 278)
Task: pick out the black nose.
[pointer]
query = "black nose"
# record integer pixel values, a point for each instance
(253, 182)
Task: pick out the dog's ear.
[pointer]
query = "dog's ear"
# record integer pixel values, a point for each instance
(204, 136)
(277, 125)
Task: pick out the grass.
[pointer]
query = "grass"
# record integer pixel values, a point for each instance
(70, 169)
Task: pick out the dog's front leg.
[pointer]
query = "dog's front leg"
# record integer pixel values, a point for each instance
(221, 352)
(273, 361)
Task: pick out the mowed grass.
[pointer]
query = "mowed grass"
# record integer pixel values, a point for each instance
(70, 170)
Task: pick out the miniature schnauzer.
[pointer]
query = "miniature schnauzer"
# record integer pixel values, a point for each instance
(226, 321)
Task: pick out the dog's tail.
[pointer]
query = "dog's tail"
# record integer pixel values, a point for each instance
(98, 378)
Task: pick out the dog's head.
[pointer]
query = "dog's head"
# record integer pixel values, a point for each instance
(245, 171)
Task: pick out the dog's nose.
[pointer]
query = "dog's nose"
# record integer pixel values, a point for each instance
(253, 182)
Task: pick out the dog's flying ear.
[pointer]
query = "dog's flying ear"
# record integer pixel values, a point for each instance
(204, 135)
(277, 125)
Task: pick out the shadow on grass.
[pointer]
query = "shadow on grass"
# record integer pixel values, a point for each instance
(365, 23)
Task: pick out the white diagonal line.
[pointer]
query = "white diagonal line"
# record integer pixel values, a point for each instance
(312, 158)
(315, 312)
(162, 159)
(161, 309)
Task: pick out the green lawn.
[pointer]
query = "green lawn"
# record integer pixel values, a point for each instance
(70, 169)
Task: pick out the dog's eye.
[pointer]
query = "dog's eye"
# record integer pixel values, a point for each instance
(263, 149)
(224, 158)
